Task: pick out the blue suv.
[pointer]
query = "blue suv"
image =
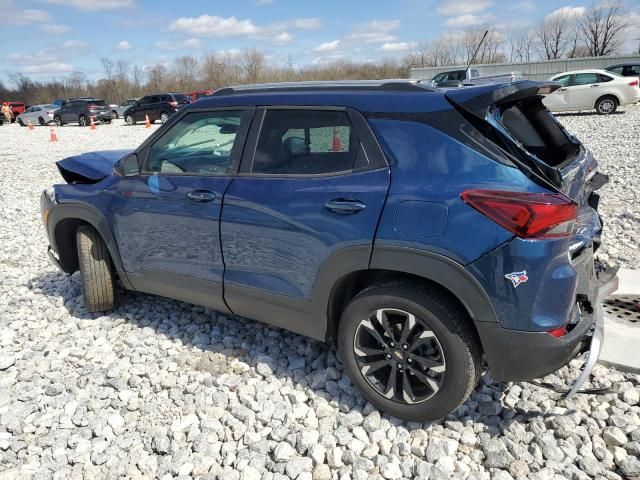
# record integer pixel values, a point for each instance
(428, 233)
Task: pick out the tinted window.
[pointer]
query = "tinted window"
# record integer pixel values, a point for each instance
(181, 98)
(564, 79)
(585, 78)
(604, 78)
(200, 143)
(617, 70)
(307, 142)
(145, 100)
(474, 73)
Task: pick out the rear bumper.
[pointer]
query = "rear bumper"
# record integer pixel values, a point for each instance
(514, 355)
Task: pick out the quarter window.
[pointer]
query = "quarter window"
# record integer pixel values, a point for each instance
(201, 143)
(307, 142)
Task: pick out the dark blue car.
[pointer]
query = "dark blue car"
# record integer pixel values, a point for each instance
(426, 232)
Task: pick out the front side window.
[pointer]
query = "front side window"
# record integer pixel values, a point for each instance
(585, 78)
(307, 142)
(201, 143)
(564, 79)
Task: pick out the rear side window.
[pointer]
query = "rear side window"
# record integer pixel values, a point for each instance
(604, 78)
(307, 142)
(585, 78)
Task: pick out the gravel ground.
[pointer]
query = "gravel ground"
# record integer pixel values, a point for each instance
(163, 389)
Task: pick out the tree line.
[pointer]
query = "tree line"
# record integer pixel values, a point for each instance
(567, 33)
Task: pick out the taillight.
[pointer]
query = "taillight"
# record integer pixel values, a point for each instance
(173, 104)
(528, 215)
(558, 332)
(634, 83)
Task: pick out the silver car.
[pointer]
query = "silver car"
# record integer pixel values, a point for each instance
(37, 115)
(118, 110)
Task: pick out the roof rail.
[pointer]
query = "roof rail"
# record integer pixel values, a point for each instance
(360, 85)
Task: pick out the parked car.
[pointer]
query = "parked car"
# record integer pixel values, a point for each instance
(199, 94)
(467, 77)
(157, 107)
(60, 102)
(80, 111)
(16, 108)
(412, 234)
(625, 69)
(592, 89)
(38, 115)
(117, 111)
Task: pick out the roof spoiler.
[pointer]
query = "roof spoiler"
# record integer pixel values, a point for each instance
(478, 100)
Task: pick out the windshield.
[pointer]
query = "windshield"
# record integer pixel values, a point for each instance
(179, 97)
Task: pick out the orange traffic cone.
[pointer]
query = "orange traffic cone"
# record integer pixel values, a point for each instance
(53, 136)
(93, 125)
(336, 144)
(147, 122)
(30, 125)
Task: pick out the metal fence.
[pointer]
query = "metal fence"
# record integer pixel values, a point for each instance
(541, 70)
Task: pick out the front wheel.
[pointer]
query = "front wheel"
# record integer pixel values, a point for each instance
(114, 115)
(21, 122)
(58, 120)
(410, 350)
(41, 121)
(82, 121)
(164, 116)
(96, 270)
(130, 120)
(606, 105)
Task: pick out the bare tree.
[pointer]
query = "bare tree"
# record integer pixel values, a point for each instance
(253, 63)
(489, 51)
(521, 45)
(602, 26)
(185, 70)
(156, 78)
(555, 33)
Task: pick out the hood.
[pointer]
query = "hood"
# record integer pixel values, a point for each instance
(89, 167)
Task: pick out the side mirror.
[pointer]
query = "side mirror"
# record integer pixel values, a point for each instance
(127, 166)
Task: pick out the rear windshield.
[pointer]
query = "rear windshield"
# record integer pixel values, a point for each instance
(179, 97)
(100, 103)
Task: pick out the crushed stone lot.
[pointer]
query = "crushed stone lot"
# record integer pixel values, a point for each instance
(164, 389)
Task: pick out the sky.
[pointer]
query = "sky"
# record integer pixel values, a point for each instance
(51, 38)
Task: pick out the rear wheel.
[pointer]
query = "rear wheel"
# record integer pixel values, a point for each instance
(606, 105)
(41, 121)
(130, 120)
(21, 122)
(82, 121)
(114, 114)
(96, 270)
(410, 350)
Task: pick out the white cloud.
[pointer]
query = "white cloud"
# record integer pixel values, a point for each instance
(54, 28)
(93, 4)
(397, 46)
(220, 27)
(123, 45)
(214, 26)
(190, 43)
(376, 31)
(48, 68)
(568, 10)
(306, 23)
(468, 20)
(75, 45)
(456, 8)
(327, 46)
(525, 6)
(12, 14)
(44, 61)
(193, 43)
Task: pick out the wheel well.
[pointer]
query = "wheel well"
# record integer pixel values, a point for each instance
(355, 282)
(611, 95)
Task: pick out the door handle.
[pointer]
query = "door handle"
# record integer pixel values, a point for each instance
(594, 86)
(201, 195)
(344, 205)
(563, 89)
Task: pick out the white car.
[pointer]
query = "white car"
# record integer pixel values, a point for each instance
(37, 115)
(592, 89)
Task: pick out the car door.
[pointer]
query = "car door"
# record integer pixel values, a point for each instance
(69, 112)
(140, 110)
(584, 90)
(26, 116)
(312, 183)
(558, 101)
(153, 107)
(166, 219)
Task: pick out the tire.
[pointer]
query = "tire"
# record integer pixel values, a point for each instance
(164, 116)
(130, 119)
(606, 105)
(106, 122)
(82, 121)
(441, 360)
(41, 121)
(114, 115)
(58, 121)
(96, 270)
(21, 122)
